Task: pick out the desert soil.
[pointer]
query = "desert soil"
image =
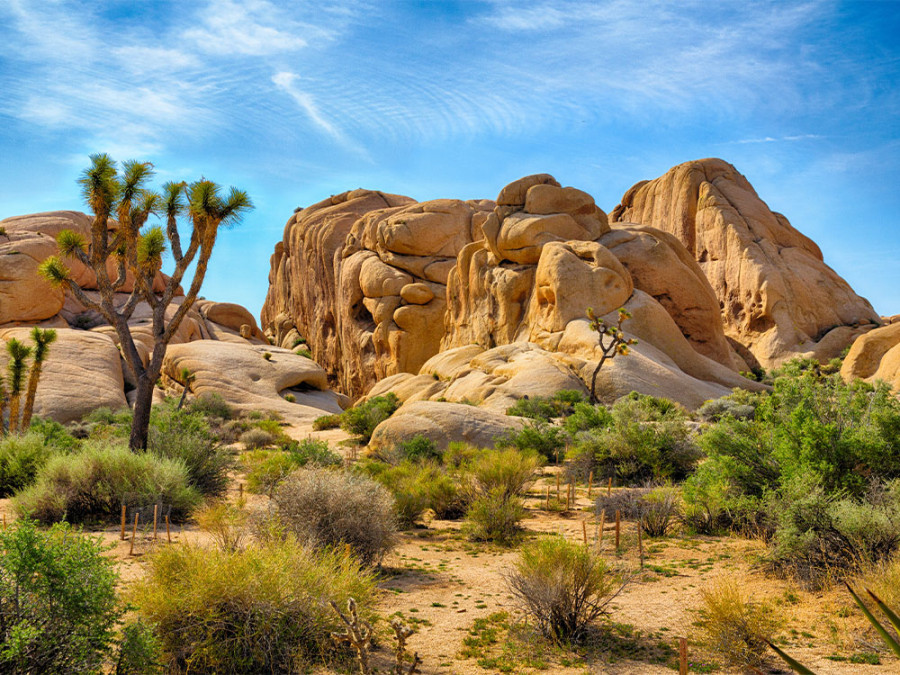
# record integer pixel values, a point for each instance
(441, 584)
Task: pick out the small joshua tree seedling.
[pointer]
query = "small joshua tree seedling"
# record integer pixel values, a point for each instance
(618, 343)
(188, 378)
(358, 634)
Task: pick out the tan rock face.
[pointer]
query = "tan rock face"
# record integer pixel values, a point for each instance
(363, 277)
(875, 356)
(777, 297)
(82, 372)
(247, 380)
(443, 423)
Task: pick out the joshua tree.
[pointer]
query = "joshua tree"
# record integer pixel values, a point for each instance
(18, 356)
(618, 343)
(188, 377)
(137, 255)
(42, 341)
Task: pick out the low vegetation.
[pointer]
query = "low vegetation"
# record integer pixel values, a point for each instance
(259, 609)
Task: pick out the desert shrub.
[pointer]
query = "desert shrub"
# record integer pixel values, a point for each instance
(273, 426)
(821, 536)
(327, 422)
(229, 431)
(647, 440)
(446, 497)
(211, 405)
(186, 437)
(459, 453)
(327, 508)
(58, 606)
(226, 522)
(54, 434)
(660, 509)
(361, 420)
(734, 627)
(657, 507)
(256, 438)
(506, 472)
(267, 468)
(408, 484)
(107, 424)
(417, 448)
(138, 650)
(21, 457)
(561, 586)
(536, 436)
(494, 517)
(716, 409)
(883, 578)
(586, 417)
(261, 609)
(90, 486)
(547, 407)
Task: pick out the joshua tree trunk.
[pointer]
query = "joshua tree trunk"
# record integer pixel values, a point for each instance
(14, 413)
(42, 340)
(140, 425)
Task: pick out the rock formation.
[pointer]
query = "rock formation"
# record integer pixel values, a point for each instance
(778, 298)
(413, 287)
(875, 356)
(220, 343)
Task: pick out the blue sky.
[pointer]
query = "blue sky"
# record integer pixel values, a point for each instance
(294, 101)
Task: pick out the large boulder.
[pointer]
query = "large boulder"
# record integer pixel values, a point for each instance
(82, 372)
(443, 423)
(875, 356)
(778, 298)
(253, 377)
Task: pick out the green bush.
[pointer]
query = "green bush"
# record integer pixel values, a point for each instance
(330, 508)
(647, 441)
(54, 434)
(362, 419)
(417, 448)
(717, 409)
(821, 536)
(91, 485)
(547, 407)
(186, 437)
(587, 417)
(255, 438)
(261, 609)
(494, 517)
(138, 650)
(327, 422)
(21, 457)
(211, 406)
(58, 605)
(536, 436)
(507, 472)
(562, 587)
(267, 468)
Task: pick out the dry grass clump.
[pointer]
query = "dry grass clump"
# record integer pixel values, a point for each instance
(254, 439)
(261, 609)
(562, 586)
(90, 486)
(329, 508)
(737, 629)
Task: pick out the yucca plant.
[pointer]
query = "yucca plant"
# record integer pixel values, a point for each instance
(188, 378)
(138, 255)
(888, 639)
(18, 357)
(42, 338)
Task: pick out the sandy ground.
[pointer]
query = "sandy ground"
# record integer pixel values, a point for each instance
(441, 584)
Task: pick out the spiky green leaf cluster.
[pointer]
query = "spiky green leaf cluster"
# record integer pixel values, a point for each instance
(18, 357)
(54, 270)
(69, 242)
(151, 247)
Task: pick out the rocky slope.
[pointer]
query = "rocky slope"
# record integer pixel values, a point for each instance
(778, 298)
(220, 343)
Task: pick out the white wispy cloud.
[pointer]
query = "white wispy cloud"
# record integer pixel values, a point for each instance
(780, 139)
